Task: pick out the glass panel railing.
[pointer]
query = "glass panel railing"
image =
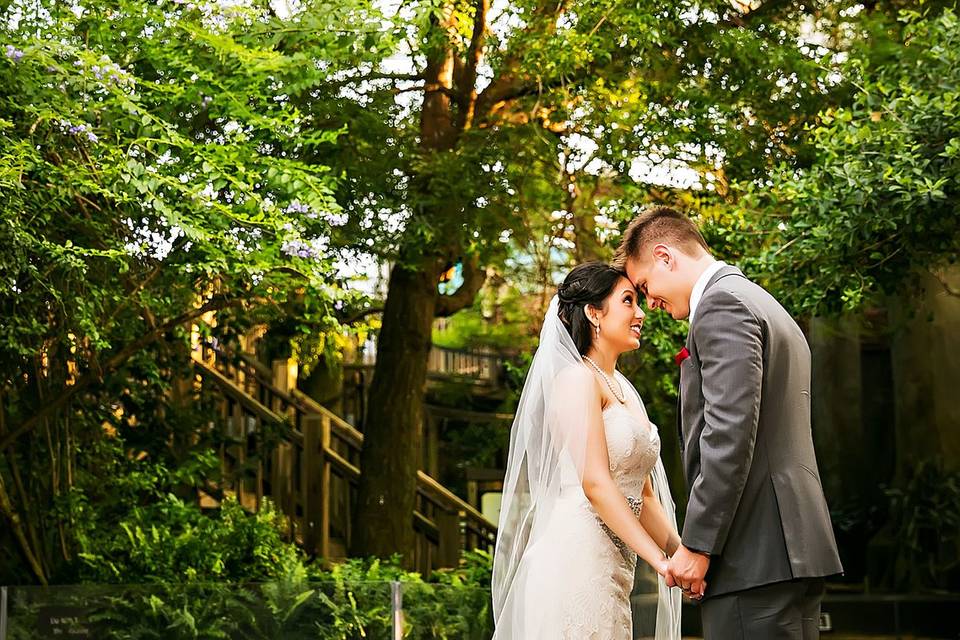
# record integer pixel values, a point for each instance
(295, 609)
(444, 612)
(292, 610)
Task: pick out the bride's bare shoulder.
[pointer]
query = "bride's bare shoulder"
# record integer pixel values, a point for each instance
(576, 382)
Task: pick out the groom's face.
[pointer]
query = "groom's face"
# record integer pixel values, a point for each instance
(659, 279)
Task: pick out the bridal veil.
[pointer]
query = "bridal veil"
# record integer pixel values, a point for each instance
(547, 448)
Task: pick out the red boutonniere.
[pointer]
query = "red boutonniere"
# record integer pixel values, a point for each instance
(680, 357)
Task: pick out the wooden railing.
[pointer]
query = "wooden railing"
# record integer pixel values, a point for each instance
(479, 367)
(282, 444)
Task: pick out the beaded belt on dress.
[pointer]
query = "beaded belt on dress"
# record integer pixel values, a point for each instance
(636, 504)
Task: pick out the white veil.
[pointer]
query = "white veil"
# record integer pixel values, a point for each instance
(546, 456)
(665, 625)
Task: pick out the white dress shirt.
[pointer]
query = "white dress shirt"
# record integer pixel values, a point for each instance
(701, 284)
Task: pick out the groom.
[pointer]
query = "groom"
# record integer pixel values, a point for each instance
(757, 539)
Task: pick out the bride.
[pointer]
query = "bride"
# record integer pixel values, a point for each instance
(585, 494)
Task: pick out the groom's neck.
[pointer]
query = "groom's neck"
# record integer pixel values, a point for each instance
(702, 263)
(696, 267)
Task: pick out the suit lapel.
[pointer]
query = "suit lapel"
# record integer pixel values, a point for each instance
(728, 270)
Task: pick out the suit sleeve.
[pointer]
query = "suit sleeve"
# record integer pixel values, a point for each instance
(729, 343)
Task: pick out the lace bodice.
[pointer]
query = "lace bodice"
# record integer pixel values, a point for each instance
(633, 446)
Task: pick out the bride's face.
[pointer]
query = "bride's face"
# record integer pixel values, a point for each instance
(622, 321)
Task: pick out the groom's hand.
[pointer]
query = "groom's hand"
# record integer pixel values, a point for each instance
(687, 569)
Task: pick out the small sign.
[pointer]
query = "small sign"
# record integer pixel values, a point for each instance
(63, 622)
(826, 623)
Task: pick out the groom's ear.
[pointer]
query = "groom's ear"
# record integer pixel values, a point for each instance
(664, 254)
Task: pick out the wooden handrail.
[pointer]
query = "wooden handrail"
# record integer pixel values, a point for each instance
(237, 393)
(310, 498)
(342, 464)
(438, 411)
(296, 398)
(344, 429)
(262, 369)
(432, 485)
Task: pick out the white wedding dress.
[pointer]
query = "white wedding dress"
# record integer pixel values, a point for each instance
(558, 572)
(586, 570)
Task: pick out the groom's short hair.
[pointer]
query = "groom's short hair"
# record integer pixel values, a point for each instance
(656, 225)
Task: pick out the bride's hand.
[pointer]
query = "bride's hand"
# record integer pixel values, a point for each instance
(663, 567)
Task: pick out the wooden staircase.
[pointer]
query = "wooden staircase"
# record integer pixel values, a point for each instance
(282, 445)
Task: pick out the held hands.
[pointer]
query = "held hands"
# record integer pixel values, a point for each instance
(686, 569)
(663, 568)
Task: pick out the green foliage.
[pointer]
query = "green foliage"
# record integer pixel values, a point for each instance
(173, 540)
(155, 163)
(925, 528)
(506, 328)
(166, 161)
(350, 601)
(162, 568)
(880, 201)
(145, 526)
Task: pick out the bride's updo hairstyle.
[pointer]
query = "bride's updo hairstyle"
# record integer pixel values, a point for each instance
(589, 283)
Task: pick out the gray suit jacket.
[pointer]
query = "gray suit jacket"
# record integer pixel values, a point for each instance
(755, 499)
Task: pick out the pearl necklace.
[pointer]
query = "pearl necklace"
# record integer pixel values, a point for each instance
(619, 396)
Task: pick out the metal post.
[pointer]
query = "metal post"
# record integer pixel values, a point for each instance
(896, 617)
(3, 613)
(396, 599)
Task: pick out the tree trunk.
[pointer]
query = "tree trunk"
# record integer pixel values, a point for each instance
(386, 497)
(383, 523)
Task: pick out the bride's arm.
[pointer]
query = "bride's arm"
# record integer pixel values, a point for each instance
(598, 485)
(655, 522)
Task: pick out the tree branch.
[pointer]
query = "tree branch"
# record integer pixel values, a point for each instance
(214, 304)
(735, 17)
(468, 87)
(399, 77)
(508, 85)
(359, 315)
(495, 97)
(473, 278)
(6, 508)
(950, 290)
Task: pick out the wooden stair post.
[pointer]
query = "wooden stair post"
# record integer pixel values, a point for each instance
(285, 371)
(315, 484)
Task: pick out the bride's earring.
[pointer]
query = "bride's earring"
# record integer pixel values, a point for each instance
(598, 331)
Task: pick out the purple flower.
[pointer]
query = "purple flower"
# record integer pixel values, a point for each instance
(77, 129)
(297, 207)
(299, 249)
(13, 53)
(337, 219)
